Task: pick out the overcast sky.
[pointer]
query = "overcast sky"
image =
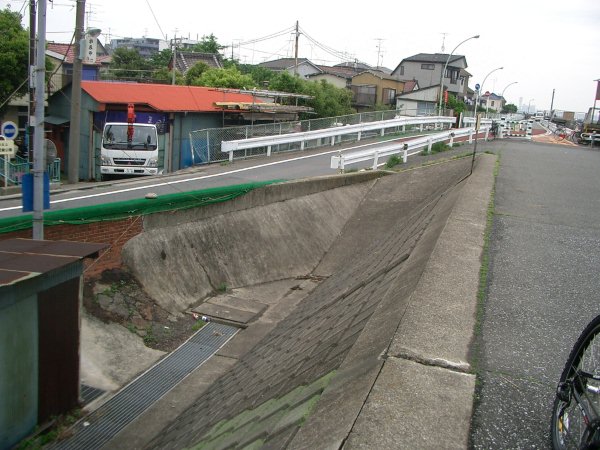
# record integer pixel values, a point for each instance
(542, 44)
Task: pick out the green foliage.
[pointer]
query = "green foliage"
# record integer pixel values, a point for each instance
(208, 44)
(509, 108)
(454, 104)
(14, 55)
(199, 324)
(439, 147)
(127, 63)
(195, 71)
(161, 59)
(393, 161)
(226, 78)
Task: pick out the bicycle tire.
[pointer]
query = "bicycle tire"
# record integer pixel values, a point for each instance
(567, 427)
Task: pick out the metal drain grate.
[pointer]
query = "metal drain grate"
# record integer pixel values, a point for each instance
(89, 393)
(110, 418)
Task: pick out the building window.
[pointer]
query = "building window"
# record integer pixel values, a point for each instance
(388, 96)
(492, 103)
(365, 95)
(427, 66)
(401, 70)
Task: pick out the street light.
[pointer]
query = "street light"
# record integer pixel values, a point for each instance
(446, 66)
(503, 90)
(481, 89)
(501, 98)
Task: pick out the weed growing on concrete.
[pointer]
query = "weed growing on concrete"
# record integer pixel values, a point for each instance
(59, 429)
(199, 324)
(149, 339)
(222, 288)
(393, 161)
(484, 269)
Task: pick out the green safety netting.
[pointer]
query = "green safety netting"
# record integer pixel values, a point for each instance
(137, 207)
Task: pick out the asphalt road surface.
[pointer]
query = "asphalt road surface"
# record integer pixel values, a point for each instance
(543, 288)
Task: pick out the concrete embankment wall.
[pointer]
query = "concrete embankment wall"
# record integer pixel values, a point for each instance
(276, 232)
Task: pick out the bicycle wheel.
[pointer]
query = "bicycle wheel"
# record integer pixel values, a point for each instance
(568, 428)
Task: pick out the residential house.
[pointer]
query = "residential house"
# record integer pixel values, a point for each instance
(302, 67)
(339, 76)
(62, 57)
(427, 68)
(371, 88)
(180, 110)
(186, 60)
(491, 102)
(418, 102)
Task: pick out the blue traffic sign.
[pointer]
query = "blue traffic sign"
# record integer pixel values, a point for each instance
(477, 86)
(9, 130)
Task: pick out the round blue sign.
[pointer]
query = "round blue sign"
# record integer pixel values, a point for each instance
(477, 86)
(9, 130)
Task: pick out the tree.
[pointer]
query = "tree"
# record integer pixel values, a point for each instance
(227, 78)
(195, 71)
(161, 59)
(454, 104)
(14, 56)
(509, 108)
(208, 44)
(127, 63)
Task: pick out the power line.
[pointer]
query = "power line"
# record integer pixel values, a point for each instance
(156, 20)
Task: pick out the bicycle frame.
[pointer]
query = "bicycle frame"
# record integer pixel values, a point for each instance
(577, 388)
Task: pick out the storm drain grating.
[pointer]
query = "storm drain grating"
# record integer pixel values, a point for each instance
(109, 419)
(89, 393)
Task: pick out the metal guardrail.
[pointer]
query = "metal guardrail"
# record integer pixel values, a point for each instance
(331, 133)
(405, 148)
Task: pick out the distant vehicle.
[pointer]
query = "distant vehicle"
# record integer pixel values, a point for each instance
(129, 148)
(590, 127)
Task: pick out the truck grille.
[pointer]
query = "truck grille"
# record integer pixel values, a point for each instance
(129, 161)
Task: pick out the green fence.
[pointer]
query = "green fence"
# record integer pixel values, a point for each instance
(129, 208)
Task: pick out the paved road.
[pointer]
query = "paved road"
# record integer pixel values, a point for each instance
(543, 288)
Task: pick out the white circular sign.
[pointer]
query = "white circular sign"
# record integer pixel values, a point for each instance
(9, 130)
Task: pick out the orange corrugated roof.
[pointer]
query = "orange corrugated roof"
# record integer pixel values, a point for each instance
(162, 97)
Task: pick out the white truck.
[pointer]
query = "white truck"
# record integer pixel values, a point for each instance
(129, 149)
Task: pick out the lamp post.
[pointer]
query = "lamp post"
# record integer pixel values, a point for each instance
(481, 90)
(444, 71)
(504, 90)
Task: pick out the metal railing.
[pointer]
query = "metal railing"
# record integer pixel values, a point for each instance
(17, 167)
(205, 145)
(404, 149)
(330, 136)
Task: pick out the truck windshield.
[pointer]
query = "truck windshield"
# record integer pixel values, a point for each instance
(115, 137)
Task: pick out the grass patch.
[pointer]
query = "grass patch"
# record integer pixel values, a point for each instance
(393, 161)
(199, 324)
(149, 338)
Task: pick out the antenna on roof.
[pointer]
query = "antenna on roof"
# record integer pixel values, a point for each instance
(444, 41)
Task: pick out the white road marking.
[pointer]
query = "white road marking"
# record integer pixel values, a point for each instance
(186, 180)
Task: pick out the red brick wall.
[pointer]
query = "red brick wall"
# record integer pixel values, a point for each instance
(115, 233)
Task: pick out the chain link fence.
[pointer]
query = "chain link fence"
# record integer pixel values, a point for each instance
(206, 144)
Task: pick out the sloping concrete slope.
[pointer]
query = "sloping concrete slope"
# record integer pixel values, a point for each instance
(180, 265)
(343, 328)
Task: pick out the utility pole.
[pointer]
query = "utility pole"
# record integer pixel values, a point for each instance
(74, 128)
(38, 157)
(552, 103)
(378, 50)
(296, 51)
(174, 58)
(30, 127)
